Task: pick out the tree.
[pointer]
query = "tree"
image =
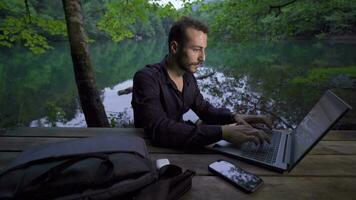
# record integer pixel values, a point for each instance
(92, 106)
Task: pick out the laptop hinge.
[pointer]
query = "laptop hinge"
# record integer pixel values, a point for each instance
(287, 153)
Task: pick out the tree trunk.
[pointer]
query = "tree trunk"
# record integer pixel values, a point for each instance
(92, 106)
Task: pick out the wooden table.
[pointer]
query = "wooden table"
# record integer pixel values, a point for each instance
(327, 172)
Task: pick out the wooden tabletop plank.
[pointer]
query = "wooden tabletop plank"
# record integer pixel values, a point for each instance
(334, 148)
(69, 132)
(212, 188)
(86, 132)
(311, 165)
(340, 135)
(22, 143)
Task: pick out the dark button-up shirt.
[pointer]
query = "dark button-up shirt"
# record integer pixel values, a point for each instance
(159, 107)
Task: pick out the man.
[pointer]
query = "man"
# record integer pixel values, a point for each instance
(163, 92)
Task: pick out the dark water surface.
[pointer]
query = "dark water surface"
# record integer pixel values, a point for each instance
(282, 79)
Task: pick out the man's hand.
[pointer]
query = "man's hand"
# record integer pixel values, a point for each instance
(252, 119)
(239, 134)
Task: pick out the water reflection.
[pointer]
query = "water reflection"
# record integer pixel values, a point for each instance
(28, 83)
(220, 89)
(118, 109)
(283, 79)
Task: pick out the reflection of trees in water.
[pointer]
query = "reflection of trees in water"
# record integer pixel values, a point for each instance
(255, 77)
(224, 91)
(289, 75)
(236, 94)
(267, 91)
(28, 81)
(121, 119)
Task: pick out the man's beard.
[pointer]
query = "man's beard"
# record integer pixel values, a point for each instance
(185, 66)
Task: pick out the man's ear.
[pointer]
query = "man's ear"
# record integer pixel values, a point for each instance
(174, 47)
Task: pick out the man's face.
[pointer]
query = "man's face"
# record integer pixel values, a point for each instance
(191, 54)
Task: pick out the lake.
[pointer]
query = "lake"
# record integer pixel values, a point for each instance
(283, 79)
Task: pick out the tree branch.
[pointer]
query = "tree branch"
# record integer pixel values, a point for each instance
(279, 7)
(28, 10)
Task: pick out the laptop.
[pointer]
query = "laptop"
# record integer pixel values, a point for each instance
(287, 148)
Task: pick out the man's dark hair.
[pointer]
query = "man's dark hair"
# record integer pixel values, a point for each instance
(177, 31)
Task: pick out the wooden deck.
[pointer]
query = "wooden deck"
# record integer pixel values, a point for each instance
(327, 172)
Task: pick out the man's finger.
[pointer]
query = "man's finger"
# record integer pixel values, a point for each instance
(268, 122)
(265, 136)
(243, 122)
(263, 128)
(252, 138)
(259, 119)
(259, 135)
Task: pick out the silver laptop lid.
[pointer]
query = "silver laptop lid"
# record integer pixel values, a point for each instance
(328, 110)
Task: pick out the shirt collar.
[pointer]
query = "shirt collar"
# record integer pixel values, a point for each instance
(167, 79)
(163, 65)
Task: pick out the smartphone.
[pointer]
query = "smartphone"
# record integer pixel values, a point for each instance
(235, 175)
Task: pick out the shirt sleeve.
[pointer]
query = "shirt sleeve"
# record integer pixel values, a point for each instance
(208, 113)
(150, 115)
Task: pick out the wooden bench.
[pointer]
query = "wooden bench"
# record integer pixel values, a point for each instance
(327, 172)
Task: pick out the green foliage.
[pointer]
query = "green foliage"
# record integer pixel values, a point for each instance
(118, 20)
(119, 17)
(124, 19)
(319, 75)
(30, 28)
(228, 19)
(54, 113)
(245, 20)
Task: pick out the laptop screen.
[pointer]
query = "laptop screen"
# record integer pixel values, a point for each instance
(318, 121)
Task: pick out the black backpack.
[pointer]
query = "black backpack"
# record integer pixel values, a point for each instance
(96, 168)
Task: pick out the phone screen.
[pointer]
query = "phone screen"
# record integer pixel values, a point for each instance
(242, 178)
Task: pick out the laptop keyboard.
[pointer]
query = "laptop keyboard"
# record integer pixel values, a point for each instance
(266, 152)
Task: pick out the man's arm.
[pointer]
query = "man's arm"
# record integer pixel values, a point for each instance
(150, 115)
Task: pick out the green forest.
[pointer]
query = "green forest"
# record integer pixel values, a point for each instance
(265, 19)
(37, 23)
(308, 46)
